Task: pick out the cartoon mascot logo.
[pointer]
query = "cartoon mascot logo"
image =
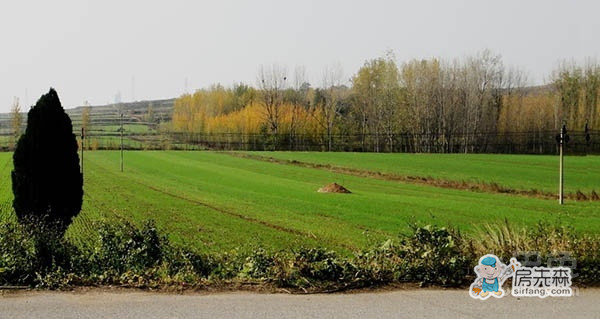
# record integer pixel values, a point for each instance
(491, 275)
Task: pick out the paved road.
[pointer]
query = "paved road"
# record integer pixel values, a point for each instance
(394, 304)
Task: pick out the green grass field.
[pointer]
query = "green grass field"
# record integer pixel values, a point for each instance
(521, 172)
(215, 201)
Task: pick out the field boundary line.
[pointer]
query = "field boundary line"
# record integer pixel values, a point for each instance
(481, 187)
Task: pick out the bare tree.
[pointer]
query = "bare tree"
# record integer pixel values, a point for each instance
(272, 83)
(377, 90)
(327, 100)
(591, 94)
(388, 103)
(86, 117)
(298, 100)
(150, 114)
(16, 121)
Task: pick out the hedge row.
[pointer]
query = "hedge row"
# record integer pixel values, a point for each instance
(126, 255)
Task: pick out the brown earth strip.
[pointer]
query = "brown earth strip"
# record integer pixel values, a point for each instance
(430, 181)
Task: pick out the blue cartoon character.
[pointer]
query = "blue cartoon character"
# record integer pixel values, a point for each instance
(489, 270)
(491, 274)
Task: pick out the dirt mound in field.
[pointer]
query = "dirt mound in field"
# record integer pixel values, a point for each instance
(334, 188)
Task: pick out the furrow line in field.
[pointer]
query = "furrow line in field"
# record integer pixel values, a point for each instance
(429, 181)
(234, 214)
(229, 212)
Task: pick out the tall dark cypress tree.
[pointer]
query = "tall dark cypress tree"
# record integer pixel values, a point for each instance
(46, 181)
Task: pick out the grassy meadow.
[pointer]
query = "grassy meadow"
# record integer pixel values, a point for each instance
(216, 202)
(521, 172)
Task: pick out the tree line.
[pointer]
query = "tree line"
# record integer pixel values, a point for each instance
(472, 104)
(426, 105)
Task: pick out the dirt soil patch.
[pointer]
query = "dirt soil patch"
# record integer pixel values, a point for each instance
(334, 188)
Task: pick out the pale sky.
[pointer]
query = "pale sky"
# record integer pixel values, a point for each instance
(90, 50)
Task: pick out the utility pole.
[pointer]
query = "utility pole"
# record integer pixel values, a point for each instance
(121, 129)
(588, 137)
(561, 198)
(562, 139)
(82, 147)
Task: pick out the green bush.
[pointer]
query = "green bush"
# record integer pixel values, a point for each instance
(310, 267)
(434, 255)
(379, 265)
(127, 255)
(123, 246)
(183, 261)
(257, 265)
(28, 254)
(17, 255)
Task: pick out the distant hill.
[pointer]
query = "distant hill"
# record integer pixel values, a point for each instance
(132, 111)
(102, 115)
(138, 106)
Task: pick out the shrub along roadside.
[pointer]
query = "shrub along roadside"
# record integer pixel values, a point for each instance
(142, 257)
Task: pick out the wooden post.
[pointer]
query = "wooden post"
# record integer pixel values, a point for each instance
(82, 146)
(562, 140)
(561, 181)
(121, 129)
